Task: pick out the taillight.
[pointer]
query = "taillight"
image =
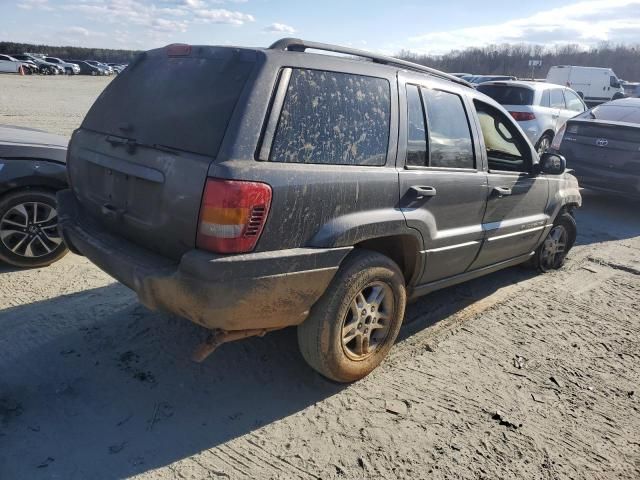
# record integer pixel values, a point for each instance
(523, 116)
(232, 215)
(557, 140)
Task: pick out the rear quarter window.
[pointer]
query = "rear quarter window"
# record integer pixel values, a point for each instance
(333, 118)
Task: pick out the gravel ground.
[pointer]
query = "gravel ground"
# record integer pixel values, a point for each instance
(515, 375)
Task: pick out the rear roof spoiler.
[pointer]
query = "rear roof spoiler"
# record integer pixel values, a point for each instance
(298, 45)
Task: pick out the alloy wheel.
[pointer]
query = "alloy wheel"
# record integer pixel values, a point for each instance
(30, 229)
(368, 321)
(544, 145)
(554, 248)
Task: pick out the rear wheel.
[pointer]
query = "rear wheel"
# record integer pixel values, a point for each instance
(544, 143)
(29, 229)
(353, 326)
(618, 96)
(553, 251)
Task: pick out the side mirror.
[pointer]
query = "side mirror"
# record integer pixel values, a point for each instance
(552, 164)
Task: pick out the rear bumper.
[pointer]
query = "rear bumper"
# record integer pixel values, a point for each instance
(232, 292)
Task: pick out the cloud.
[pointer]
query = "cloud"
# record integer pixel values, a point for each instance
(584, 23)
(79, 31)
(35, 5)
(221, 15)
(279, 28)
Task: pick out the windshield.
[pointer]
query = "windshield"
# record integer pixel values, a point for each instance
(508, 95)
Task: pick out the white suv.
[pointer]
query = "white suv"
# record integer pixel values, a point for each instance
(540, 108)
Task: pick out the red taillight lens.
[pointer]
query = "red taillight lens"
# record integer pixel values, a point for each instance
(523, 116)
(178, 50)
(232, 215)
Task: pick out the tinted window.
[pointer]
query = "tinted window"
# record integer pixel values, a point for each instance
(506, 149)
(507, 95)
(614, 113)
(557, 99)
(416, 132)
(2, 57)
(450, 142)
(546, 99)
(187, 106)
(573, 101)
(333, 118)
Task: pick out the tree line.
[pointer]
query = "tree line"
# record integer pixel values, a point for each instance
(105, 55)
(490, 60)
(514, 59)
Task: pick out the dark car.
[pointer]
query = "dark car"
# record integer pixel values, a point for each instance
(602, 145)
(277, 187)
(478, 79)
(32, 170)
(86, 68)
(44, 67)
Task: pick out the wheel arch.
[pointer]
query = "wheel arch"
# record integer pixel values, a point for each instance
(403, 249)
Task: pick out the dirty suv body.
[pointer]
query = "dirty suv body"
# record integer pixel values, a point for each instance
(254, 189)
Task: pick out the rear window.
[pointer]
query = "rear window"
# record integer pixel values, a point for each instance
(333, 118)
(614, 113)
(179, 102)
(507, 95)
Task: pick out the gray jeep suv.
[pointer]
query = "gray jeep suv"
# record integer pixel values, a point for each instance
(250, 190)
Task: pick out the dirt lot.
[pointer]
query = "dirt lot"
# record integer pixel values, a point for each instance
(515, 375)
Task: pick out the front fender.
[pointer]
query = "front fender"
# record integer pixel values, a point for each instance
(564, 191)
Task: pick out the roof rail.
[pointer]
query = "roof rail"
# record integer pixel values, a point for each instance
(298, 45)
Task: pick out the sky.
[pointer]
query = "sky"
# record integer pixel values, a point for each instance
(433, 27)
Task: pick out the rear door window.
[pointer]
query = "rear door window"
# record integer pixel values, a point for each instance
(333, 118)
(450, 142)
(557, 99)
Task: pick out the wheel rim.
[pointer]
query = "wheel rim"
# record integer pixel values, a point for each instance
(30, 229)
(554, 248)
(367, 323)
(544, 145)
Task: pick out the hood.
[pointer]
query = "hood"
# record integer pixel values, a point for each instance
(22, 142)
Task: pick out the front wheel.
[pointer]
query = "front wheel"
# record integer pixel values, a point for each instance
(29, 229)
(351, 329)
(553, 251)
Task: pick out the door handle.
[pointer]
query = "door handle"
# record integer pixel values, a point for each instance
(421, 192)
(502, 191)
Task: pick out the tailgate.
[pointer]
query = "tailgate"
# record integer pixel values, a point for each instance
(139, 162)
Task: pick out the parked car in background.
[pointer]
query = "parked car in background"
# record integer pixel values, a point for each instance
(289, 209)
(9, 64)
(541, 109)
(107, 70)
(69, 68)
(602, 146)
(32, 170)
(44, 67)
(595, 85)
(86, 68)
(478, 79)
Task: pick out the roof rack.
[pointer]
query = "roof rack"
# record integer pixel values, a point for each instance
(298, 45)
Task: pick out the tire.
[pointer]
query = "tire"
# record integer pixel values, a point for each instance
(544, 143)
(618, 96)
(29, 235)
(347, 310)
(562, 236)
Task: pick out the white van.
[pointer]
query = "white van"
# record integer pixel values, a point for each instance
(595, 85)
